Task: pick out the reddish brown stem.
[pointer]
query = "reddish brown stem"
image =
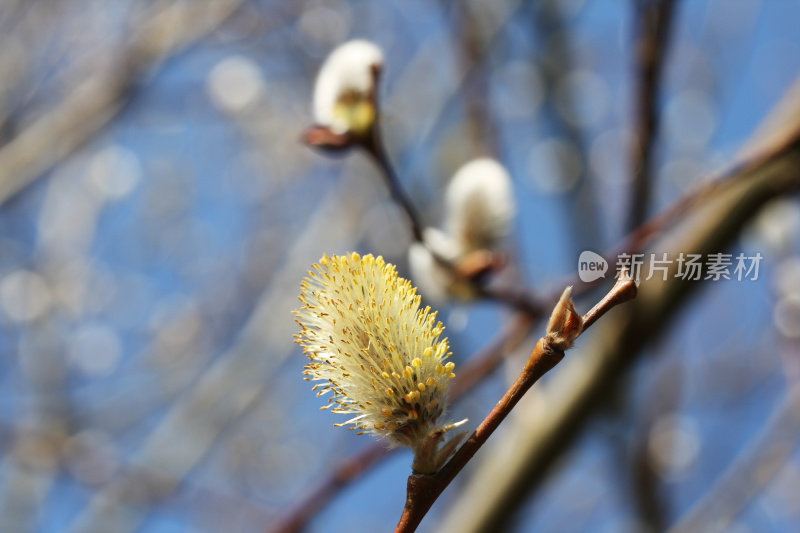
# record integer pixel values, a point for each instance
(423, 490)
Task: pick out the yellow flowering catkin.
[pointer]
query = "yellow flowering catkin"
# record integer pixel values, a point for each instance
(373, 348)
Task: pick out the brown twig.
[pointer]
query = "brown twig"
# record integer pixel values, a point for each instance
(424, 489)
(482, 363)
(351, 468)
(97, 99)
(654, 19)
(556, 58)
(373, 145)
(348, 470)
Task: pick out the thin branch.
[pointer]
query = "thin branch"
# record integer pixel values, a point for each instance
(654, 19)
(514, 297)
(99, 97)
(643, 485)
(423, 490)
(374, 146)
(352, 468)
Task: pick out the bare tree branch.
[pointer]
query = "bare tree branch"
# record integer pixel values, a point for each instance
(100, 96)
(229, 387)
(653, 24)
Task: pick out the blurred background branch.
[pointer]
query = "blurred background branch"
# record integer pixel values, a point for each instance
(653, 26)
(101, 86)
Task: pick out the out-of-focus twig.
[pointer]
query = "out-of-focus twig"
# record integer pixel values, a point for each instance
(99, 97)
(227, 389)
(644, 483)
(556, 60)
(473, 47)
(432, 126)
(653, 21)
(375, 147)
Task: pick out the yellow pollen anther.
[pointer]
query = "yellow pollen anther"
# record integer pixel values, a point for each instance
(363, 328)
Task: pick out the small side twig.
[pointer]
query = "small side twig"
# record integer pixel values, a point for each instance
(516, 299)
(349, 469)
(374, 146)
(424, 489)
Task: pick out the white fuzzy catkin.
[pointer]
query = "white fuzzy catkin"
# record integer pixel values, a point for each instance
(436, 280)
(374, 348)
(345, 85)
(479, 204)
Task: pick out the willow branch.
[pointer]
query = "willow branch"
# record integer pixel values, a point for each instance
(375, 147)
(352, 468)
(423, 490)
(556, 57)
